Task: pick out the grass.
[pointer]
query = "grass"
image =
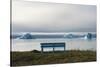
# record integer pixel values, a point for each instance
(38, 58)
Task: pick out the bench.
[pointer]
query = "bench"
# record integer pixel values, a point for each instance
(52, 45)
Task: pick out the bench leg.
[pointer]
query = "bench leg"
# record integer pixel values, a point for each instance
(42, 50)
(64, 48)
(53, 49)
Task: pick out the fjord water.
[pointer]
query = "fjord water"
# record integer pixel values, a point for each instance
(71, 44)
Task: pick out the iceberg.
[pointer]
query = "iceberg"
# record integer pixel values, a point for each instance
(88, 36)
(26, 36)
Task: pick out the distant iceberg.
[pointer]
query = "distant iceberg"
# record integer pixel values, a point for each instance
(26, 36)
(90, 36)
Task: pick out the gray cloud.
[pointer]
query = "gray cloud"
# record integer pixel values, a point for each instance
(52, 17)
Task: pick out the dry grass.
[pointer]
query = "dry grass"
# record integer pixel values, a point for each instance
(36, 58)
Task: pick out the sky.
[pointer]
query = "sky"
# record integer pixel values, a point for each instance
(32, 16)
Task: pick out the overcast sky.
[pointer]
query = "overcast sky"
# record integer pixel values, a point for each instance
(32, 16)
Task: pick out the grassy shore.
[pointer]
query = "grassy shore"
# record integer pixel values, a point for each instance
(38, 58)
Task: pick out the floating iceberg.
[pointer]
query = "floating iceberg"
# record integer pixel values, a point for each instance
(26, 36)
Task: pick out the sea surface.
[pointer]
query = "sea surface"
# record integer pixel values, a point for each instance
(71, 44)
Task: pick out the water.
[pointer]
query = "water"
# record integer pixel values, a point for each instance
(71, 44)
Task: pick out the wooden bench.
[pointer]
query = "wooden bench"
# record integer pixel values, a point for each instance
(52, 45)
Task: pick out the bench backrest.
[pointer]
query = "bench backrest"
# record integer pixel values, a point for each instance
(51, 45)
